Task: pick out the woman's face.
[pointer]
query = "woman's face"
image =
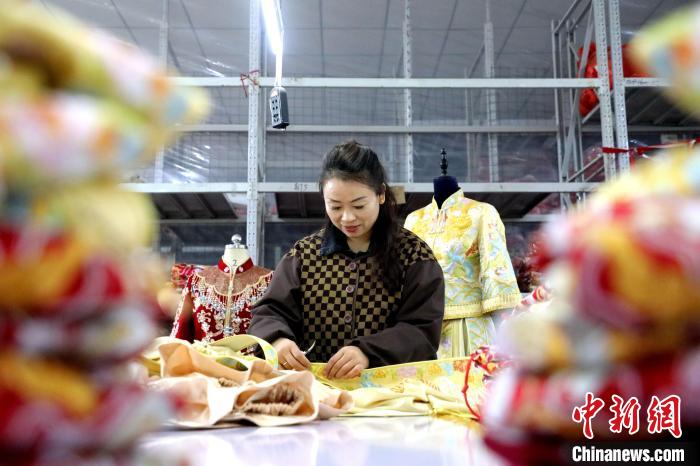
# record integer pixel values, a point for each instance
(353, 207)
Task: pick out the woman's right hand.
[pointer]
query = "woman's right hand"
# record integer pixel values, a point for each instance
(290, 356)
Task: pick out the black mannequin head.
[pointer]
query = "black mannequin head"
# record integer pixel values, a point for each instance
(444, 185)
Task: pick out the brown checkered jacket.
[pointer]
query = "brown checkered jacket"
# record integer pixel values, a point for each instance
(336, 300)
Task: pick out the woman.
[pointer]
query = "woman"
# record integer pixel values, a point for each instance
(362, 292)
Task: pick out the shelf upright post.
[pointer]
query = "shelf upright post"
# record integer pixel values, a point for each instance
(623, 159)
(558, 110)
(163, 38)
(606, 112)
(491, 104)
(471, 99)
(407, 96)
(254, 213)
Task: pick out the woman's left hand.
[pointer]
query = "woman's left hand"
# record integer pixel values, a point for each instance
(347, 363)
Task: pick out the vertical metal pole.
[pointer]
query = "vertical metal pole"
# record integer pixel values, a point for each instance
(163, 56)
(558, 117)
(469, 137)
(253, 220)
(558, 111)
(472, 101)
(163, 35)
(262, 157)
(490, 71)
(606, 113)
(579, 72)
(408, 103)
(623, 160)
(391, 161)
(262, 145)
(573, 132)
(263, 107)
(574, 94)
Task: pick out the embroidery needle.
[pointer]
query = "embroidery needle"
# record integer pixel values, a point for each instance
(313, 343)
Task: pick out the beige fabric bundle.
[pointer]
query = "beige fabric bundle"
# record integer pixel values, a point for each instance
(215, 394)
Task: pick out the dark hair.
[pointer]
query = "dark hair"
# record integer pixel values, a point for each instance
(352, 161)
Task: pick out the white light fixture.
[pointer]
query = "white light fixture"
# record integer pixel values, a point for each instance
(274, 30)
(273, 25)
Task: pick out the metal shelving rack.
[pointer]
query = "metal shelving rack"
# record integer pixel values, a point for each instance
(204, 204)
(640, 98)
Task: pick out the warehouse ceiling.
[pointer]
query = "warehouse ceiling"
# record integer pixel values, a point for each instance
(358, 38)
(363, 38)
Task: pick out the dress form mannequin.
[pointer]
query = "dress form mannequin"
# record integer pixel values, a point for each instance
(444, 186)
(468, 240)
(216, 300)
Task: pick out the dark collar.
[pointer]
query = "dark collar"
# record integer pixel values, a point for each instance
(334, 241)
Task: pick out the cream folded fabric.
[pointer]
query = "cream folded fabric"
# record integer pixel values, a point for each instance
(214, 393)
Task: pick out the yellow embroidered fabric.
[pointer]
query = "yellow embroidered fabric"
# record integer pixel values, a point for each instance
(411, 389)
(468, 240)
(461, 337)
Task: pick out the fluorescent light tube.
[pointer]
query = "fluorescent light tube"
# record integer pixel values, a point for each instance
(273, 25)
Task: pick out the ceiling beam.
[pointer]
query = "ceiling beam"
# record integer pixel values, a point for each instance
(173, 198)
(126, 25)
(205, 205)
(510, 31)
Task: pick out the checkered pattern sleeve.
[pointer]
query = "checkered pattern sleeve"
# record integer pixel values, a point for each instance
(414, 333)
(278, 312)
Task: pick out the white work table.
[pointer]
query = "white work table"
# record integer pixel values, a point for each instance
(365, 441)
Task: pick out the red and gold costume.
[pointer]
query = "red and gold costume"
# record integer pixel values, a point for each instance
(214, 296)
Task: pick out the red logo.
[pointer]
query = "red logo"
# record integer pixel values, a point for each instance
(587, 412)
(624, 415)
(661, 414)
(664, 415)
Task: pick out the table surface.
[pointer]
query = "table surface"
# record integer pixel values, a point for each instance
(352, 441)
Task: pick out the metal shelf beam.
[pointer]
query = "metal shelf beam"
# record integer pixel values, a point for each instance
(390, 129)
(646, 82)
(526, 128)
(296, 187)
(403, 83)
(535, 218)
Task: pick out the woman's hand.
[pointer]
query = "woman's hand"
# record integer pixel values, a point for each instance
(347, 363)
(290, 356)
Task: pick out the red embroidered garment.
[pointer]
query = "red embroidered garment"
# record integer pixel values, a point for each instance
(205, 307)
(181, 273)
